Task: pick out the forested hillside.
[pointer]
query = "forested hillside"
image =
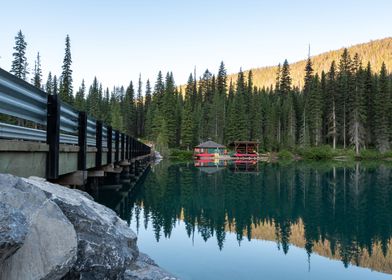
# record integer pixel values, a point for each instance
(348, 104)
(376, 52)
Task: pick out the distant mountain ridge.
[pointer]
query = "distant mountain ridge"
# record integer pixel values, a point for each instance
(376, 52)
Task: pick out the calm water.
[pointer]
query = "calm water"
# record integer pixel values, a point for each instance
(265, 221)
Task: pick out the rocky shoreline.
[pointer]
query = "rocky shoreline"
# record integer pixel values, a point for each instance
(48, 231)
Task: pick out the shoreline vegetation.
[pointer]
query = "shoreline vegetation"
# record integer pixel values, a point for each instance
(313, 153)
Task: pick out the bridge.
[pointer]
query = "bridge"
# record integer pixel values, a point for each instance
(53, 140)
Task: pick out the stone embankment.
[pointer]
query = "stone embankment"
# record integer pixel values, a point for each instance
(52, 232)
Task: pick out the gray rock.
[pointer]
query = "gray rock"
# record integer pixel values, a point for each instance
(144, 268)
(13, 230)
(50, 246)
(106, 245)
(86, 195)
(40, 179)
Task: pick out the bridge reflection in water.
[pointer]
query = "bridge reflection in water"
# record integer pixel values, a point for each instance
(340, 211)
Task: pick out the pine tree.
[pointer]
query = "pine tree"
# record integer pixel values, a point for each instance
(19, 64)
(140, 109)
(187, 126)
(345, 87)
(314, 110)
(92, 100)
(80, 102)
(148, 110)
(55, 89)
(240, 114)
(106, 107)
(170, 110)
(207, 114)
(156, 110)
(49, 84)
(381, 107)
(129, 111)
(304, 119)
(65, 93)
(285, 108)
(219, 104)
(37, 75)
(356, 104)
(159, 89)
(369, 92)
(115, 108)
(285, 79)
(331, 105)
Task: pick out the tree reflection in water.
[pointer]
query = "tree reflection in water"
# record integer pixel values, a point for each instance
(344, 207)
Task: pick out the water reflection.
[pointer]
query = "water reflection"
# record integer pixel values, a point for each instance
(338, 211)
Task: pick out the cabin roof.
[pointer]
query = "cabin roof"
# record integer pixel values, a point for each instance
(210, 144)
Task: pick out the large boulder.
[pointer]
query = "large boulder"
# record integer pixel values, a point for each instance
(106, 245)
(144, 268)
(50, 245)
(13, 230)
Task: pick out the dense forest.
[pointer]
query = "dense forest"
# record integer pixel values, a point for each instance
(346, 106)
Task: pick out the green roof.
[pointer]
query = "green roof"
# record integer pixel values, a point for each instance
(210, 144)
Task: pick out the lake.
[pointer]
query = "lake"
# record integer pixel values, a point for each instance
(316, 220)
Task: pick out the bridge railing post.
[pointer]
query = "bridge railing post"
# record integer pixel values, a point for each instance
(98, 141)
(82, 141)
(110, 144)
(53, 136)
(117, 146)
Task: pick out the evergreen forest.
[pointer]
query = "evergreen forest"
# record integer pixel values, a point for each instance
(346, 106)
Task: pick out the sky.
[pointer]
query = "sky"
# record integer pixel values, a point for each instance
(118, 40)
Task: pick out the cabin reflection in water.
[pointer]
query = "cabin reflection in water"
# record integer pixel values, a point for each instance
(236, 166)
(245, 166)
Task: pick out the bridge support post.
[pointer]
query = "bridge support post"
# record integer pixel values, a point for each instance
(53, 136)
(82, 141)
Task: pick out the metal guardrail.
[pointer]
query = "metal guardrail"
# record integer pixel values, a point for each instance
(21, 100)
(58, 123)
(68, 119)
(9, 131)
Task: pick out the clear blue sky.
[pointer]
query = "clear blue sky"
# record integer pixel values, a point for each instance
(116, 40)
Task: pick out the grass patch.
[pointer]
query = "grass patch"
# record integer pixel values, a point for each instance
(285, 155)
(370, 154)
(318, 153)
(180, 155)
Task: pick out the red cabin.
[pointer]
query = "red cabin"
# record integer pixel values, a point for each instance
(245, 149)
